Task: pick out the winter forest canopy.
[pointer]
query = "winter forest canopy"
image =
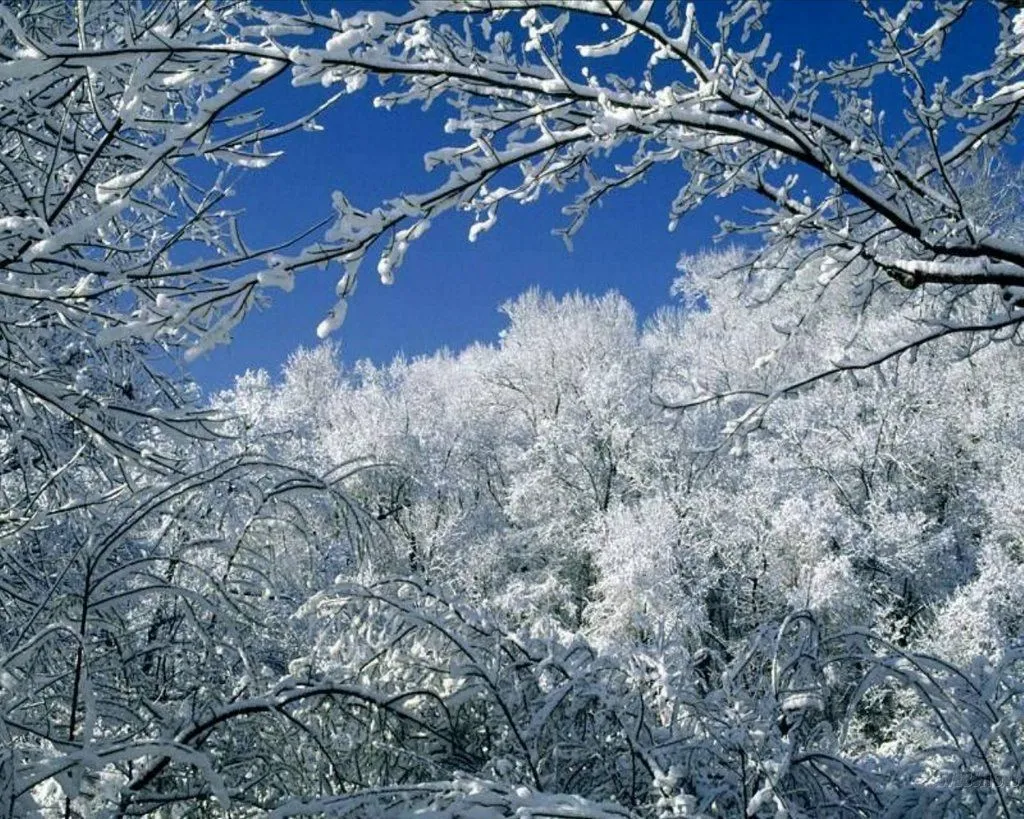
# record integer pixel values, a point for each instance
(759, 555)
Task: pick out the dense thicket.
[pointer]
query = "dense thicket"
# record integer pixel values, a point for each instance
(839, 591)
(760, 557)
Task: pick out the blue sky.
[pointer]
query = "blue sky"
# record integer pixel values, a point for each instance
(448, 291)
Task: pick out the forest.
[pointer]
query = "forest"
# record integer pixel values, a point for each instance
(759, 554)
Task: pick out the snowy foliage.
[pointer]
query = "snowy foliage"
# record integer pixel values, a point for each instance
(829, 612)
(867, 196)
(761, 556)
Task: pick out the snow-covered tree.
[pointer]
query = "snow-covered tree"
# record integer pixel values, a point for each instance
(525, 578)
(869, 167)
(136, 536)
(784, 611)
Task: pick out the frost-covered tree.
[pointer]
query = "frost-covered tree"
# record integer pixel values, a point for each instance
(111, 234)
(836, 588)
(540, 591)
(136, 536)
(871, 167)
